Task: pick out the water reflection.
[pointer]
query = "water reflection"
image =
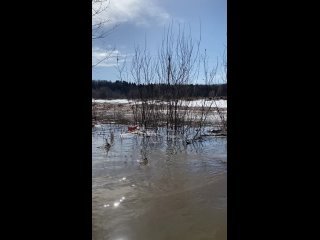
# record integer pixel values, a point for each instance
(179, 194)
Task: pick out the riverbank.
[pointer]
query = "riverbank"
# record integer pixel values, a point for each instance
(121, 110)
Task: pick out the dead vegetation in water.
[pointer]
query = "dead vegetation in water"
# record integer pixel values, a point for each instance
(178, 62)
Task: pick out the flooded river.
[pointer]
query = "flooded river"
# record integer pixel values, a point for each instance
(179, 192)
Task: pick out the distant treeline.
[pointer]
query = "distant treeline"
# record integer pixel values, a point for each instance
(122, 89)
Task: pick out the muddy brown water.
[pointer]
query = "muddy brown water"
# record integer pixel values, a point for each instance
(179, 193)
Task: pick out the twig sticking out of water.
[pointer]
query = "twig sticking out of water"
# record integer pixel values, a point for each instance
(107, 145)
(144, 161)
(112, 137)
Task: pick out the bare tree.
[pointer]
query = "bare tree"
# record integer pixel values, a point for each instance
(99, 7)
(99, 29)
(163, 82)
(210, 78)
(178, 59)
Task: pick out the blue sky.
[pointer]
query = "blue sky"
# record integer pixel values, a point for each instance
(138, 20)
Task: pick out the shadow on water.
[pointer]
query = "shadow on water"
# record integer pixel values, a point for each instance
(178, 192)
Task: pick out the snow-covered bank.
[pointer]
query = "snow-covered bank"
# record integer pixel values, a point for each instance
(193, 103)
(206, 103)
(122, 101)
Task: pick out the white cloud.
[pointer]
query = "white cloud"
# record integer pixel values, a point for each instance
(107, 58)
(139, 12)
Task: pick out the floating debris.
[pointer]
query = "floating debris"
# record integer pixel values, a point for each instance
(143, 161)
(132, 128)
(126, 135)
